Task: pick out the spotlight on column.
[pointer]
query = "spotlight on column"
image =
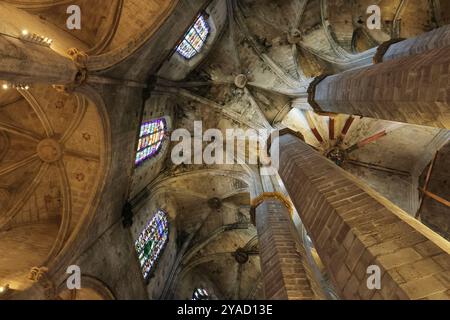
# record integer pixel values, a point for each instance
(48, 41)
(20, 86)
(4, 290)
(35, 38)
(5, 86)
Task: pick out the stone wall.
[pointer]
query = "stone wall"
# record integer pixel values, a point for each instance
(144, 212)
(157, 106)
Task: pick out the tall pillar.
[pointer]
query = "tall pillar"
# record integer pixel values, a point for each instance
(26, 62)
(285, 272)
(437, 38)
(354, 229)
(411, 85)
(284, 275)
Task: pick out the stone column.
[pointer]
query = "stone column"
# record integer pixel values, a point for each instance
(284, 272)
(437, 38)
(282, 269)
(354, 228)
(411, 85)
(25, 62)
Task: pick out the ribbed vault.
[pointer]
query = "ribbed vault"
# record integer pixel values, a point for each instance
(51, 169)
(254, 74)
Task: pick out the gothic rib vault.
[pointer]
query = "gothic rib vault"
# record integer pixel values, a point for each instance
(67, 144)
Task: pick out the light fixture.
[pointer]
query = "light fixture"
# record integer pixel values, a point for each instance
(35, 38)
(21, 86)
(4, 289)
(18, 86)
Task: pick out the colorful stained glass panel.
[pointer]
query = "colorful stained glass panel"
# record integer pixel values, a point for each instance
(151, 242)
(195, 38)
(150, 139)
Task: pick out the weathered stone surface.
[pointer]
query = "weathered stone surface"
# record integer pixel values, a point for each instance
(411, 89)
(283, 273)
(355, 229)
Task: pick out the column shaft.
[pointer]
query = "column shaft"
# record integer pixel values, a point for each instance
(283, 273)
(411, 86)
(25, 62)
(354, 228)
(437, 38)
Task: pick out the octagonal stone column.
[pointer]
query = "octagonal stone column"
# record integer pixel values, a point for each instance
(410, 85)
(282, 269)
(353, 229)
(285, 272)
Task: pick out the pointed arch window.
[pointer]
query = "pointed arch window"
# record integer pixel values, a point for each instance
(195, 38)
(151, 242)
(151, 139)
(200, 294)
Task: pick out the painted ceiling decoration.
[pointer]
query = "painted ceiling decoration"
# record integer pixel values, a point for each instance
(52, 162)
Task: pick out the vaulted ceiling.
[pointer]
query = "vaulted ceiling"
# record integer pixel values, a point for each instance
(257, 48)
(51, 167)
(106, 26)
(255, 75)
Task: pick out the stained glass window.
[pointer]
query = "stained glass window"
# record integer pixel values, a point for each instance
(200, 294)
(151, 242)
(195, 38)
(150, 139)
